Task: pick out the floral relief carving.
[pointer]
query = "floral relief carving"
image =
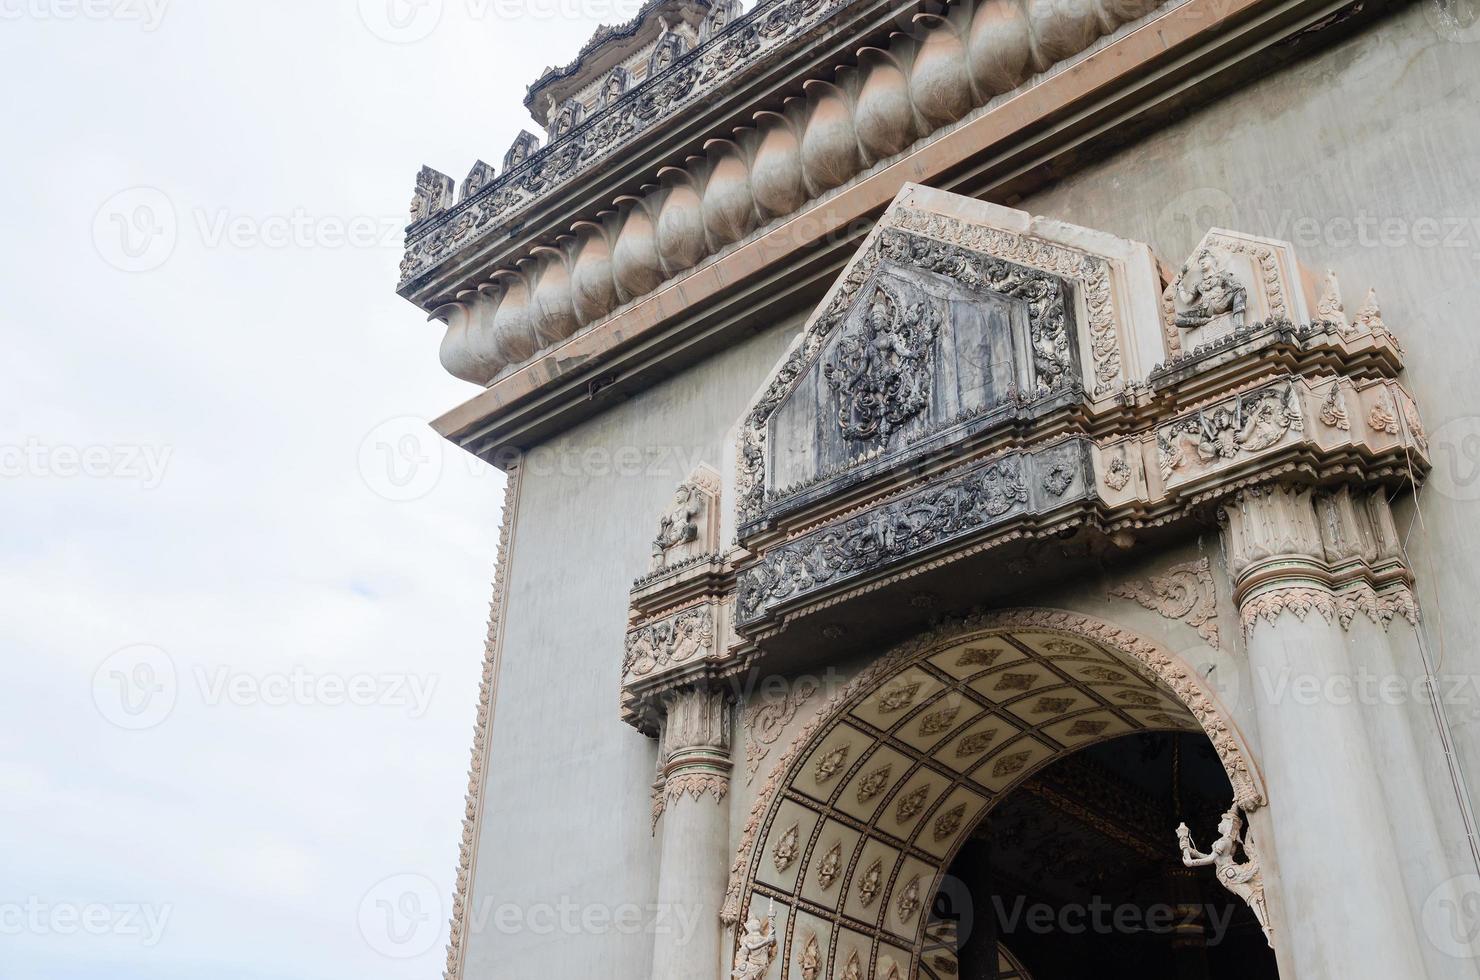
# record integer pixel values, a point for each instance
(1333, 408)
(810, 960)
(949, 822)
(853, 970)
(873, 783)
(910, 806)
(765, 722)
(870, 883)
(909, 900)
(1118, 473)
(1335, 607)
(832, 863)
(831, 764)
(1382, 417)
(975, 744)
(939, 721)
(786, 850)
(978, 657)
(1010, 765)
(898, 696)
(1185, 591)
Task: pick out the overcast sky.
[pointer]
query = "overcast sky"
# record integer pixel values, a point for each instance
(244, 587)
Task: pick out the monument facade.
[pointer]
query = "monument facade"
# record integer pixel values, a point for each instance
(947, 476)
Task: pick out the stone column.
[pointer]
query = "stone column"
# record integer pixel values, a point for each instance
(694, 814)
(1334, 839)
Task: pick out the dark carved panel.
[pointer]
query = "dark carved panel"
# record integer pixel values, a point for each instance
(937, 335)
(898, 531)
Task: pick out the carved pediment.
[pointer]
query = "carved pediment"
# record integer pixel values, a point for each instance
(955, 318)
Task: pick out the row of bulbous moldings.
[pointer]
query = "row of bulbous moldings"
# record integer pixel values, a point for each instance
(930, 78)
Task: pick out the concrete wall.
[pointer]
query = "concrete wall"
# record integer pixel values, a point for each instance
(1376, 136)
(567, 813)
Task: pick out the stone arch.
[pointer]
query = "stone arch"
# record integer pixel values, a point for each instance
(862, 815)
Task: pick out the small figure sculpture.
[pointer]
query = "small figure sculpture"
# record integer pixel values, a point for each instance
(1214, 293)
(757, 948)
(1244, 880)
(678, 525)
(613, 89)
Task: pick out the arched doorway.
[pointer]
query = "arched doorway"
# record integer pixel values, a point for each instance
(853, 835)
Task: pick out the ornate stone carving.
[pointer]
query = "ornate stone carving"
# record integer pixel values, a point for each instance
(524, 146)
(939, 721)
(883, 372)
(898, 696)
(434, 194)
(764, 723)
(985, 495)
(1245, 879)
(478, 178)
(832, 864)
(690, 525)
(909, 900)
(1207, 292)
(668, 642)
(949, 822)
(831, 764)
(1188, 687)
(975, 744)
(1382, 418)
(757, 948)
(1118, 473)
(873, 784)
(1333, 408)
(615, 85)
(1186, 592)
(809, 961)
(1043, 293)
(910, 806)
(565, 120)
(870, 883)
(786, 849)
(1245, 424)
(853, 969)
(1328, 307)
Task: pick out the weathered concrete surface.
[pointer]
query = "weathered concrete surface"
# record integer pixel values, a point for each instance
(568, 818)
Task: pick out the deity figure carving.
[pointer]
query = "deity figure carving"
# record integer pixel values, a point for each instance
(616, 83)
(433, 194)
(1246, 880)
(757, 948)
(523, 147)
(566, 120)
(882, 373)
(678, 526)
(669, 47)
(1210, 293)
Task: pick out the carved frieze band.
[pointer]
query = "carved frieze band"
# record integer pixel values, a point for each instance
(985, 495)
(477, 769)
(1341, 606)
(670, 642)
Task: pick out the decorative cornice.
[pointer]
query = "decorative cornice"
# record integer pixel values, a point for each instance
(467, 850)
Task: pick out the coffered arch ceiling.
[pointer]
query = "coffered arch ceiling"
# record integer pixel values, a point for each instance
(861, 817)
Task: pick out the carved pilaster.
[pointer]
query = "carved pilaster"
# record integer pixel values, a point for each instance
(694, 753)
